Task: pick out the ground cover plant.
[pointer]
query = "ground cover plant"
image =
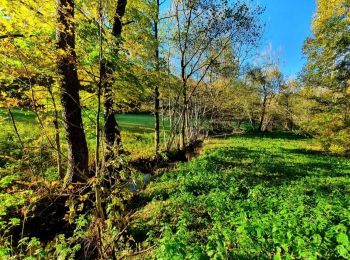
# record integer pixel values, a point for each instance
(252, 196)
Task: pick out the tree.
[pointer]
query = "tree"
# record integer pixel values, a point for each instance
(203, 30)
(268, 80)
(287, 99)
(111, 128)
(327, 72)
(78, 157)
(156, 87)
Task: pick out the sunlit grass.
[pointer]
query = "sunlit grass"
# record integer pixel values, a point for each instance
(137, 131)
(253, 196)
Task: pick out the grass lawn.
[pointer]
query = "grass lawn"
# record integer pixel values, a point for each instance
(137, 131)
(25, 121)
(136, 123)
(250, 197)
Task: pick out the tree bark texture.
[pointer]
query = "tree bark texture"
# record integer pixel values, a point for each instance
(156, 87)
(111, 129)
(78, 157)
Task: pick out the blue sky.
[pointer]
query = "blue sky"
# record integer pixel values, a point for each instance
(288, 23)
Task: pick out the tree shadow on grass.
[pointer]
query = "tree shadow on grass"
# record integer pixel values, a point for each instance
(276, 135)
(249, 167)
(136, 129)
(307, 152)
(272, 169)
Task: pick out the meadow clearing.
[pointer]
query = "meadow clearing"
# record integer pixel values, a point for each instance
(272, 196)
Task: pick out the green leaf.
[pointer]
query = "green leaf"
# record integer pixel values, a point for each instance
(316, 239)
(342, 251)
(277, 256)
(343, 239)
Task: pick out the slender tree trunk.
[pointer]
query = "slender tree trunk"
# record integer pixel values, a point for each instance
(163, 121)
(184, 100)
(57, 135)
(290, 123)
(58, 147)
(78, 157)
(111, 128)
(112, 134)
(183, 125)
(263, 115)
(16, 129)
(156, 87)
(98, 170)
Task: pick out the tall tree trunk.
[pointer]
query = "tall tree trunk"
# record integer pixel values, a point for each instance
(184, 99)
(263, 115)
(111, 128)
(156, 87)
(98, 199)
(57, 135)
(184, 117)
(78, 157)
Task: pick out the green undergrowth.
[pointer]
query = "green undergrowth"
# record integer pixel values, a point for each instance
(259, 196)
(29, 172)
(250, 197)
